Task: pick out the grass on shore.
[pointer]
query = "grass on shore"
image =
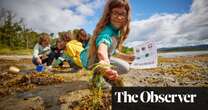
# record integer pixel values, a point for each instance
(9, 51)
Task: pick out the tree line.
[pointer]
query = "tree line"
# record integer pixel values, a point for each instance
(13, 33)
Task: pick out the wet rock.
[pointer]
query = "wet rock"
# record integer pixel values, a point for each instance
(33, 103)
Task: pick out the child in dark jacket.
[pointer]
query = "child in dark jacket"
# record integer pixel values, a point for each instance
(56, 51)
(60, 53)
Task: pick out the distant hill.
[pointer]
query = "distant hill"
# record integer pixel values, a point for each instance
(184, 48)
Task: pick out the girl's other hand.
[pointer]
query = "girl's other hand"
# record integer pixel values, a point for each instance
(131, 57)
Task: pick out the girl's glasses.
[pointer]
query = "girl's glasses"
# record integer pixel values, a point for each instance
(119, 14)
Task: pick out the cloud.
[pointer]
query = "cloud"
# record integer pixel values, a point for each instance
(52, 15)
(169, 30)
(85, 10)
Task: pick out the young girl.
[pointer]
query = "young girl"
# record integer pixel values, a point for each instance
(109, 34)
(82, 37)
(41, 50)
(66, 36)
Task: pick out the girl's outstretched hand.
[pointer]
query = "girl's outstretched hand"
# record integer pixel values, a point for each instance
(111, 74)
(108, 72)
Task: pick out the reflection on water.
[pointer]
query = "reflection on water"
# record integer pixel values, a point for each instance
(185, 53)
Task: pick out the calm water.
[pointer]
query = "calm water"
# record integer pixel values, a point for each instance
(186, 53)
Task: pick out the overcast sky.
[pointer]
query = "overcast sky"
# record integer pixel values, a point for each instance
(168, 22)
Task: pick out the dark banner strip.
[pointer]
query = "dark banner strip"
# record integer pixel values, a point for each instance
(159, 98)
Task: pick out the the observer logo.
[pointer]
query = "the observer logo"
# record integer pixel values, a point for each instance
(159, 98)
(152, 97)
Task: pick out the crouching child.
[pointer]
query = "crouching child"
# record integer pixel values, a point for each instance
(41, 50)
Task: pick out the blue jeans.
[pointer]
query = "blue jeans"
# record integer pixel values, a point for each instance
(120, 65)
